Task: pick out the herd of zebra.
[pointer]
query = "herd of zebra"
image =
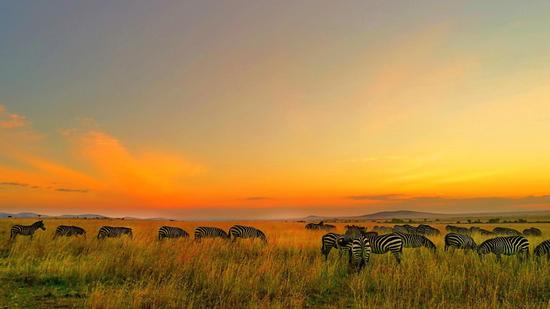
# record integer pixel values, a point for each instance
(357, 241)
(236, 231)
(360, 243)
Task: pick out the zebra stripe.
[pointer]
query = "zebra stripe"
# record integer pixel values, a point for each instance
(543, 249)
(359, 252)
(416, 241)
(69, 230)
(171, 232)
(506, 231)
(329, 241)
(459, 241)
(382, 244)
(209, 232)
(241, 231)
(505, 245)
(26, 230)
(425, 229)
(114, 231)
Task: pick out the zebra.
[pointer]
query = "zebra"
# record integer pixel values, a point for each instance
(69, 230)
(406, 229)
(383, 229)
(543, 249)
(416, 241)
(459, 241)
(329, 241)
(533, 231)
(171, 232)
(484, 232)
(457, 229)
(319, 226)
(359, 252)
(381, 244)
(26, 230)
(242, 231)
(210, 232)
(425, 229)
(505, 245)
(114, 231)
(506, 231)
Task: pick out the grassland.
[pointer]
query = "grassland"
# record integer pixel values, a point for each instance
(288, 272)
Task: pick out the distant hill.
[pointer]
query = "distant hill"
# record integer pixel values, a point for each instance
(22, 215)
(82, 216)
(410, 214)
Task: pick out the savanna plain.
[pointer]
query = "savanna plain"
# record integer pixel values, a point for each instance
(287, 272)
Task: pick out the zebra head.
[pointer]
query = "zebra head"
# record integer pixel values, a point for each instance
(39, 225)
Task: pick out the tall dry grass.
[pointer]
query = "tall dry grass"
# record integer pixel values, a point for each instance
(288, 272)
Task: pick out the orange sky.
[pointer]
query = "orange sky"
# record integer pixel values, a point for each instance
(268, 112)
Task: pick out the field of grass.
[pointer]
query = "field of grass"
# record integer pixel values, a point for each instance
(288, 272)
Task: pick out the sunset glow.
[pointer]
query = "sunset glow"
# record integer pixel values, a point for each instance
(262, 110)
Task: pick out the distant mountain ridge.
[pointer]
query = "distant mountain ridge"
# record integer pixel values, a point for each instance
(410, 214)
(23, 215)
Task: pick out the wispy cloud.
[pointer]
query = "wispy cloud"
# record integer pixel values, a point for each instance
(71, 190)
(375, 197)
(9, 120)
(258, 198)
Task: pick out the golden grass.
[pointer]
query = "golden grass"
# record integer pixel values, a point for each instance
(288, 272)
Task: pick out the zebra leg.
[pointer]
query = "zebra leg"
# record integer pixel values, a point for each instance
(397, 256)
(13, 235)
(498, 258)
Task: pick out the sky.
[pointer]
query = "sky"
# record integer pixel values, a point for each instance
(274, 109)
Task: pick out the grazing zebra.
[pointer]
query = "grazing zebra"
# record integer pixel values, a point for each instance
(484, 232)
(329, 241)
(172, 232)
(543, 249)
(241, 231)
(26, 230)
(69, 230)
(505, 245)
(457, 229)
(506, 231)
(359, 252)
(319, 226)
(114, 231)
(210, 232)
(416, 241)
(381, 244)
(533, 231)
(459, 241)
(406, 229)
(425, 229)
(382, 229)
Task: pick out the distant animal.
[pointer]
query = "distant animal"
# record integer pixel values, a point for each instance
(533, 231)
(241, 231)
(406, 228)
(382, 229)
(509, 245)
(26, 230)
(319, 226)
(172, 232)
(543, 249)
(382, 244)
(355, 230)
(457, 229)
(484, 232)
(210, 232)
(506, 231)
(114, 231)
(69, 230)
(459, 241)
(359, 252)
(424, 229)
(330, 241)
(416, 241)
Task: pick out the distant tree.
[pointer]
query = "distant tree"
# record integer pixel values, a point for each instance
(457, 222)
(469, 221)
(494, 220)
(437, 220)
(411, 221)
(395, 220)
(522, 221)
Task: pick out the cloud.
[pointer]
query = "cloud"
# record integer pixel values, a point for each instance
(14, 184)
(10, 121)
(258, 198)
(71, 190)
(379, 197)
